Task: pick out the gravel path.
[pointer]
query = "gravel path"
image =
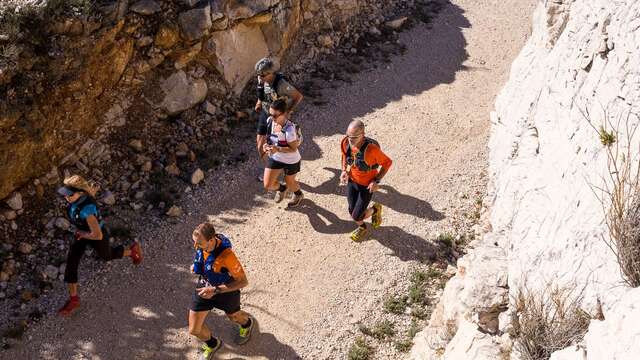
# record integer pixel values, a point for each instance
(309, 284)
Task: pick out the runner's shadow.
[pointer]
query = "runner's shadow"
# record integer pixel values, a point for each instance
(264, 345)
(388, 197)
(405, 246)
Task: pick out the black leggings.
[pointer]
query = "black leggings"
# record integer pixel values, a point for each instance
(77, 249)
(359, 198)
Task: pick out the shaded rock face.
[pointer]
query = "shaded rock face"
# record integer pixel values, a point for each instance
(579, 71)
(69, 72)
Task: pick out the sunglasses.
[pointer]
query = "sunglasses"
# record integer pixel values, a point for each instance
(353, 137)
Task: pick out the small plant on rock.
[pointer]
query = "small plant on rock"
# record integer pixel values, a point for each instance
(548, 321)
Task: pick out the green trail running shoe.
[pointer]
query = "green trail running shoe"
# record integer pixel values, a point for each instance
(376, 218)
(245, 334)
(207, 351)
(359, 234)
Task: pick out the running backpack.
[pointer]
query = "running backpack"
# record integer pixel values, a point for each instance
(270, 130)
(274, 86)
(359, 161)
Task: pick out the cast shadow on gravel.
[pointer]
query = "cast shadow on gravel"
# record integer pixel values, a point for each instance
(435, 53)
(388, 196)
(264, 345)
(405, 246)
(148, 321)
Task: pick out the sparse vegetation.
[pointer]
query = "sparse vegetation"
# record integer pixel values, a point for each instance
(620, 194)
(403, 345)
(395, 304)
(548, 321)
(360, 350)
(380, 330)
(446, 239)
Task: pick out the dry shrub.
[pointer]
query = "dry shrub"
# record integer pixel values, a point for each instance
(620, 195)
(548, 321)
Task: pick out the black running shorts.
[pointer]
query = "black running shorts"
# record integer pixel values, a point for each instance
(227, 302)
(289, 169)
(359, 198)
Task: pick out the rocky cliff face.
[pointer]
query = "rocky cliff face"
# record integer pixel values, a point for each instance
(68, 71)
(579, 71)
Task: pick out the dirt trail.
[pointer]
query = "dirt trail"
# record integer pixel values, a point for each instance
(309, 284)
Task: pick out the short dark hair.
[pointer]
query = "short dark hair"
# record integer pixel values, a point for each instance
(279, 105)
(206, 230)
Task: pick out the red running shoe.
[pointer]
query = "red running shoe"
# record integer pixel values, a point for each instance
(136, 253)
(69, 307)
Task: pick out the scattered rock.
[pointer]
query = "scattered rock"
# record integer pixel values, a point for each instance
(15, 201)
(197, 176)
(172, 169)
(25, 248)
(166, 37)
(174, 211)
(146, 7)
(9, 214)
(144, 41)
(62, 224)
(51, 272)
(195, 23)
(182, 93)
(136, 145)
(210, 108)
(397, 23)
(26, 296)
(147, 166)
(186, 57)
(325, 41)
(108, 198)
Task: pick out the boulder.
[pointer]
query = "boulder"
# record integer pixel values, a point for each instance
(195, 23)
(62, 224)
(108, 198)
(197, 176)
(173, 169)
(136, 145)
(15, 201)
(145, 7)
(236, 52)
(397, 23)
(166, 37)
(182, 93)
(9, 214)
(25, 248)
(51, 272)
(174, 211)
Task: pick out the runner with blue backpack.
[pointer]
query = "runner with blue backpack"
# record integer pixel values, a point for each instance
(283, 139)
(221, 277)
(363, 167)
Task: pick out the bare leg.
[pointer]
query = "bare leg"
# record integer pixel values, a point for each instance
(292, 183)
(239, 317)
(271, 179)
(197, 326)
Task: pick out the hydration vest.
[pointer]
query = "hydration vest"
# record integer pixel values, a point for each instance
(358, 162)
(205, 268)
(74, 212)
(274, 87)
(284, 132)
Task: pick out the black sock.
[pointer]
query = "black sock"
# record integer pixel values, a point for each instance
(299, 192)
(282, 188)
(213, 342)
(247, 324)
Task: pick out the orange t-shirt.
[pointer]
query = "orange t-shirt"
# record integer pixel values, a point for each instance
(373, 155)
(226, 260)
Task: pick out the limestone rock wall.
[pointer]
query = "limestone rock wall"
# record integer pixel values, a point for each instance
(581, 65)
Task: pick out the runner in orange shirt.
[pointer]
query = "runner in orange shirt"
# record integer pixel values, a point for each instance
(363, 166)
(221, 278)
